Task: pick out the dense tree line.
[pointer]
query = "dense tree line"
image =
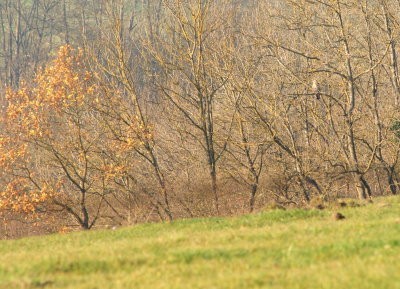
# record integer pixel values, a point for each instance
(168, 109)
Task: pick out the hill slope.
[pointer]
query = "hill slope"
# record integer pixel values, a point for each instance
(276, 249)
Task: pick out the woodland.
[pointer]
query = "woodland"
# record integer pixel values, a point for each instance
(117, 112)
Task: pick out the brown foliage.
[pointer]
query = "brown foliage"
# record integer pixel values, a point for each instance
(195, 108)
(64, 149)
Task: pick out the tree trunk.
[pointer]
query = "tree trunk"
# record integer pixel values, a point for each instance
(213, 175)
(363, 188)
(253, 196)
(391, 174)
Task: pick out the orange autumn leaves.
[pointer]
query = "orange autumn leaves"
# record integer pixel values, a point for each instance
(63, 84)
(66, 136)
(18, 197)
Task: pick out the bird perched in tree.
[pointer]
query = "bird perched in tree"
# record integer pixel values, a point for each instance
(316, 89)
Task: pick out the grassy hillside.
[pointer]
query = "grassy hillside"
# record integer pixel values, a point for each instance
(275, 249)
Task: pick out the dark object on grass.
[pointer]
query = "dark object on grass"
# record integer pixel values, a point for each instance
(320, 207)
(338, 216)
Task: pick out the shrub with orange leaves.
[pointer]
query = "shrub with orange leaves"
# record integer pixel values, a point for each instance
(61, 148)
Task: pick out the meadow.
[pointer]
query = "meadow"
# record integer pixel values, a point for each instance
(269, 249)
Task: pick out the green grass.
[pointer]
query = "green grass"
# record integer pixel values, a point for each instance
(275, 249)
